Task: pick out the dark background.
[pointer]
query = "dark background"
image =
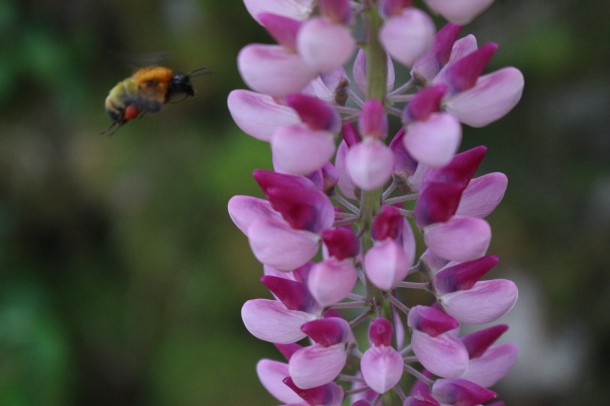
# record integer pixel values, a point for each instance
(121, 275)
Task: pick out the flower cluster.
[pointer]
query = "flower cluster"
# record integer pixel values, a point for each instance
(337, 231)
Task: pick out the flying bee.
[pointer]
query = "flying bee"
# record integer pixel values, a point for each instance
(146, 91)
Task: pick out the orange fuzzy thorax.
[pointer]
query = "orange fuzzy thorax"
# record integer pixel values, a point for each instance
(158, 74)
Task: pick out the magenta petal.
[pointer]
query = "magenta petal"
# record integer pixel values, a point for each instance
(323, 45)
(388, 224)
(424, 103)
(431, 320)
(259, 114)
(459, 239)
(407, 36)
(332, 280)
(315, 112)
(341, 242)
(479, 341)
(488, 369)
(329, 331)
(493, 96)
(386, 264)
(428, 66)
(293, 294)
(435, 141)
(270, 320)
(283, 29)
(464, 275)
(316, 365)
(330, 394)
(485, 302)
(381, 368)
(244, 210)
(380, 332)
(271, 374)
(280, 246)
(369, 164)
(443, 355)
(459, 11)
(461, 392)
(482, 195)
(373, 121)
(299, 150)
(297, 9)
(272, 69)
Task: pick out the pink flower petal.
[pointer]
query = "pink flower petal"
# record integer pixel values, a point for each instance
(369, 164)
(270, 320)
(297, 9)
(442, 355)
(386, 264)
(381, 368)
(482, 195)
(273, 70)
(244, 210)
(323, 45)
(488, 369)
(316, 365)
(459, 239)
(461, 392)
(332, 280)
(408, 36)
(259, 115)
(359, 72)
(271, 374)
(459, 11)
(493, 96)
(485, 302)
(278, 245)
(434, 141)
(299, 150)
(345, 184)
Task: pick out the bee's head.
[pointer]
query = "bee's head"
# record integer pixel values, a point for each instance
(181, 84)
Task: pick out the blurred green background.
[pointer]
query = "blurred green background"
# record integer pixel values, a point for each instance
(121, 275)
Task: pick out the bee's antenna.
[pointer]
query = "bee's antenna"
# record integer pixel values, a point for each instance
(199, 72)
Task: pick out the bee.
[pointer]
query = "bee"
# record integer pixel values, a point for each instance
(146, 91)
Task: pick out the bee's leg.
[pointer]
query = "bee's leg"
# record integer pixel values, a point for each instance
(111, 129)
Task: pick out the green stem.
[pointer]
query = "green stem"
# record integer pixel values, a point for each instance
(370, 201)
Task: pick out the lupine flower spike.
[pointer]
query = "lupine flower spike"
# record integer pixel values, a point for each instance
(336, 231)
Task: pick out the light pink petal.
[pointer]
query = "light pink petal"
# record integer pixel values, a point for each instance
(407, 36)
(359, 72)
(298, 150)
(459, 239)
(346, 186)
(482, 195)
(273, 70)
(244, 210)
(271, 374)
(278, 245)
(270, 320)
(381, 368)
(316, 365)
(332, 280)
(493, 96)
(434, 141)
(323, 45)
(369, 164)
(488, 369)
(386, 264)
(258, 114)
(485, 302)
(459, 11)
(463, 47)
(443, 355)
(408, 242)
(297, 9)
